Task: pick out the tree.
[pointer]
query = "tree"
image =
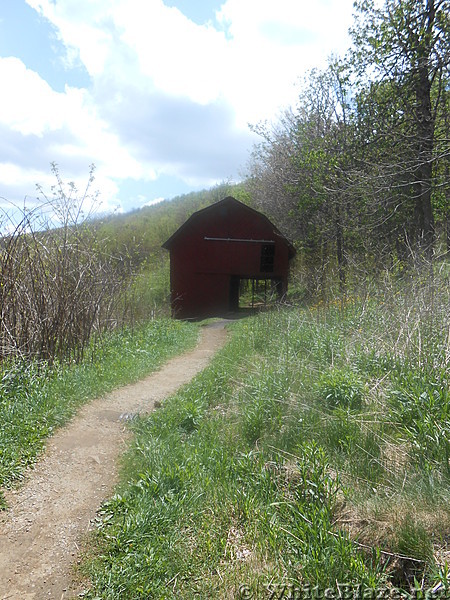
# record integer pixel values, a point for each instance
(357, 173)
(301, 171)
(406, 43)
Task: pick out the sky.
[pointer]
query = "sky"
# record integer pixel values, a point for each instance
(157, 94)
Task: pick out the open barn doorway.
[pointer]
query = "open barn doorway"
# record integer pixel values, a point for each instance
(251, 293)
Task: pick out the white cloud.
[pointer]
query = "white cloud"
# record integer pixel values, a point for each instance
(180, 57)
(273, 43)
(151, 202)
(10, 173)
(252, 60)
(69, 126)
(27, 103)
(167, 96)
(83, 26)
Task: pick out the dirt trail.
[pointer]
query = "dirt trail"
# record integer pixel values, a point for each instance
(48, 517)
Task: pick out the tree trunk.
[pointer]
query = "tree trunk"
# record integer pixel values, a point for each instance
(425, 141)
(340, 252)
(424, 173)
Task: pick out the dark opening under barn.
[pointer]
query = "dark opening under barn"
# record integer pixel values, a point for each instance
(222, 252)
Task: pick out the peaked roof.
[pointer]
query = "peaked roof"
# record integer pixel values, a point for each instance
(229, 200)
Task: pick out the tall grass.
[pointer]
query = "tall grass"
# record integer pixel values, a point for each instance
(313, 451)
(36, 398)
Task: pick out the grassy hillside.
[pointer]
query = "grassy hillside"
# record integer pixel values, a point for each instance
(314, 451)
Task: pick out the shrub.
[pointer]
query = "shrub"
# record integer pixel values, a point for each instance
(340, 388)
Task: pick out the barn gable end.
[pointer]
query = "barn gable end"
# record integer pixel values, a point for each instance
(216, 248)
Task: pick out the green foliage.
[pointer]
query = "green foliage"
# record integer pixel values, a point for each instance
(149, 291)
(414, 541)
(340, 388)
(423, 406)
(356, 173)
(262, 398)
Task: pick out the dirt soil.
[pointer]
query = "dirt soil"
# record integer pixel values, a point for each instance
(49, 515)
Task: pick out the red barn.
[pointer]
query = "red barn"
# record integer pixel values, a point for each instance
(217, 248)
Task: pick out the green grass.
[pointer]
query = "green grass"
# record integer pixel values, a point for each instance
(313, 450)
(35, 398)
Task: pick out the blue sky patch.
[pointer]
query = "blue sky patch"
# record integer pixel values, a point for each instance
(199, 11)
(31, 38)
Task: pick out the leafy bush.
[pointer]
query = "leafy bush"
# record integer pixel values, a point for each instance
(423, 407)
(340, 388)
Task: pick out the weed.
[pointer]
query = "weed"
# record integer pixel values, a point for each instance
(340, 388)
(414, 541)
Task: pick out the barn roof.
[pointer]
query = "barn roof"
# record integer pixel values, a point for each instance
(229, 200)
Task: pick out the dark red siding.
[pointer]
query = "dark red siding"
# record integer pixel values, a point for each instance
(219, 245)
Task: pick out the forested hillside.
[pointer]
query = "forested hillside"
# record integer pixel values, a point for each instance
(140, 233)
